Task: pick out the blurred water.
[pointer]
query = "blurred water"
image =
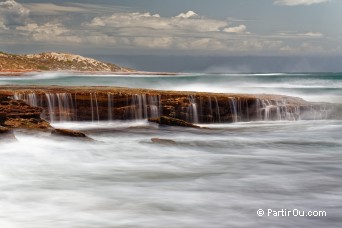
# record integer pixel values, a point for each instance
(211, 178)
(216, 177)
(320, 87)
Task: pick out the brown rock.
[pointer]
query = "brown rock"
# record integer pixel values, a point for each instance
(163, 141)
(164, 120)
(126, 105)
(18, 114)
(27, 123)
(4, 130)
(2, 117)
(68, 133)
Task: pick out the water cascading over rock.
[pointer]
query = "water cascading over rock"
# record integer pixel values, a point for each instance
(61, 107)
(194, 108)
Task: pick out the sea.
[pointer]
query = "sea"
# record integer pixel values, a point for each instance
(244, 174)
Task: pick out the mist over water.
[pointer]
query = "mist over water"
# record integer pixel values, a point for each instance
(210, 178)
(215, 177)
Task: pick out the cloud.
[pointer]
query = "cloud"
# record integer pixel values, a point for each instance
(63, 8)
(299, 2)
(129, 20)
(186, 31)
(140, 31)
(305, 47)
(2, 24)
(49, 32)
(297, 35)
(153, 42)
(189, 14)
(311, 34)
(237, 29)
(12, 14)
(53, 9)
(54, 29)
(190, 22)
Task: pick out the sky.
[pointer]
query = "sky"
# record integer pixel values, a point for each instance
(222, 27)
(177, 27)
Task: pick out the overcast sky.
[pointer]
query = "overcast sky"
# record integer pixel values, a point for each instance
(173, 27)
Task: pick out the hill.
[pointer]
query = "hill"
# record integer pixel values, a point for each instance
(52, 61)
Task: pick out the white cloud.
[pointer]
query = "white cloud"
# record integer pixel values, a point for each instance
(309, 47)
(12, 14)
(49, 32)
(13, 5)
(59, 9)
(299, 2)
(186, 32)
(311, 34)
(129, 20)
(189, 14)
(53, 9)
(153, 42)
(2, 24)
(237, 29)
(297, 35)
(53, 29)
(189, 22)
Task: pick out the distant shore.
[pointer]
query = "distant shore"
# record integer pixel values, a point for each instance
(28, 72)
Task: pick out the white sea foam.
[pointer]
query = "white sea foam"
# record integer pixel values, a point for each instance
(101, 124)
(210, 178)
(217, 177)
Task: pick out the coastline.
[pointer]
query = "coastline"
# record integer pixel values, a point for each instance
(20, 73)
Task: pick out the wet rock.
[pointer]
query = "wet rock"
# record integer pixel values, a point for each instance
(163, 141)
(6, 135)
(110, 103)
(164, 120)
(18, 114)
(4, 130)
(32, 123)
(68, 133)
(19, 109)
(2, 117)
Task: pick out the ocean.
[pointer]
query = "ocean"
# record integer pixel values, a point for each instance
(216, 177)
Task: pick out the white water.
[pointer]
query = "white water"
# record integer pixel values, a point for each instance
(210, 178)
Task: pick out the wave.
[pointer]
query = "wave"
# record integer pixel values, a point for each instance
(36, 76)
(100, 125)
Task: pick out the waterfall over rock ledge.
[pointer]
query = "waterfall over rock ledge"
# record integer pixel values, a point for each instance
(106, 103)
